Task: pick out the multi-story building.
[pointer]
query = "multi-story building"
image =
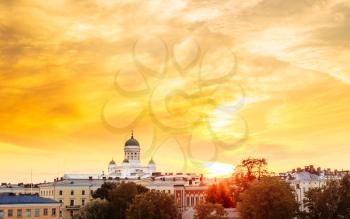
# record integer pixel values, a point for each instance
(19, 189)
(74, 193)
(189, 196)
(166, 183)
(71, 194)
(302, 180)
(28, 206)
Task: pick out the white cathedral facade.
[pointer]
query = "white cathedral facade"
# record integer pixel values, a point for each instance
(131, 166)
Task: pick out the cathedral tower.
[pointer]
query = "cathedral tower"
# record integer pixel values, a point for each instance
(132, 150)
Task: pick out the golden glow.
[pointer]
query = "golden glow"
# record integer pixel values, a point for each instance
(232, 79)
(219, 169)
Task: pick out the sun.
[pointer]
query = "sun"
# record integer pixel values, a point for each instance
(216, 169)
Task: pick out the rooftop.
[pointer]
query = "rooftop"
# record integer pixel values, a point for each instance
(7, 198)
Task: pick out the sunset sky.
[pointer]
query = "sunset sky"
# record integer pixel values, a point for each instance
(201, 83)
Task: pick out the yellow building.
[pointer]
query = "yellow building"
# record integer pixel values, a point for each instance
(28, 206)
(71, 194)
(74, 193)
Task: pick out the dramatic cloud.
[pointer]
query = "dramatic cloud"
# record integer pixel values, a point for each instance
(77, 76)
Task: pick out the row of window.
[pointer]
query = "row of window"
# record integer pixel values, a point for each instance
(72, 192)
(72, 202)
(193, 201)
(50, 192)
(133, 156)
(27, 212)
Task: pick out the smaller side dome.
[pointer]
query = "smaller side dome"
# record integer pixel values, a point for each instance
(151, 161)
(112, 162)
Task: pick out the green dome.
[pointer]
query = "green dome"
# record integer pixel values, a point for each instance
(132, 142)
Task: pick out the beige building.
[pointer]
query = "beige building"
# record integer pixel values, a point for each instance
(28, 206)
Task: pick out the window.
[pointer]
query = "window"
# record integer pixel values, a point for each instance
(53, 211)
(46, 211)
(72, 202)
(10, 213)
(1, 214)
(72, 192)
(19, 212)
(61, 192)
(28, 213)
(83, 202)
(36, 212)
(83, 192)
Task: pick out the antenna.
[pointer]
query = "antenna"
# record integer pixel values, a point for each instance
(31, 181)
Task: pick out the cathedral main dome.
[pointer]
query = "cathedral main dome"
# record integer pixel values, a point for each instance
(132, 142)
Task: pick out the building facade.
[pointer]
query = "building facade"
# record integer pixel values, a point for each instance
(302, 180)
(28, 206)
(72, 194)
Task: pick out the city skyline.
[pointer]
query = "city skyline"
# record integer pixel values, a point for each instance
(256, 78)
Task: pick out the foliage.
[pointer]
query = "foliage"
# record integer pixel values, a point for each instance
(116, 197)
(96, 209)
(220, 194)
(122, 196)
(210, 211)
(329, 202)
(252, 168)
(153, 205)
(249, 170)
(103, 192)
(268, 198)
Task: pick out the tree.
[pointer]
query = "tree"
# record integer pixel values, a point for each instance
(153, 205)
(96, 209)
(268, 198)
(210, 211)
(220, 194)
(103, 192)
(246, 172)
(329, 202)
(122, 196)
(253, 168)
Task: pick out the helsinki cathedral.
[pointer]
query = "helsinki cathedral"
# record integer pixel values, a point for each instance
(131, 167)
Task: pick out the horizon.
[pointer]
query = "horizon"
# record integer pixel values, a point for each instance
(202, 85)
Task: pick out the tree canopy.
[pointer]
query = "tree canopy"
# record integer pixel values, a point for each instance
(122, 196)
(104, 190)
(96, 209)
(268, 198)
(219, 193)
(113, 199)
(210, 211)
(329, 202)
(153, 205)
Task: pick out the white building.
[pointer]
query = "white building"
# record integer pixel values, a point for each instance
(131, 167)
(302, 182)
